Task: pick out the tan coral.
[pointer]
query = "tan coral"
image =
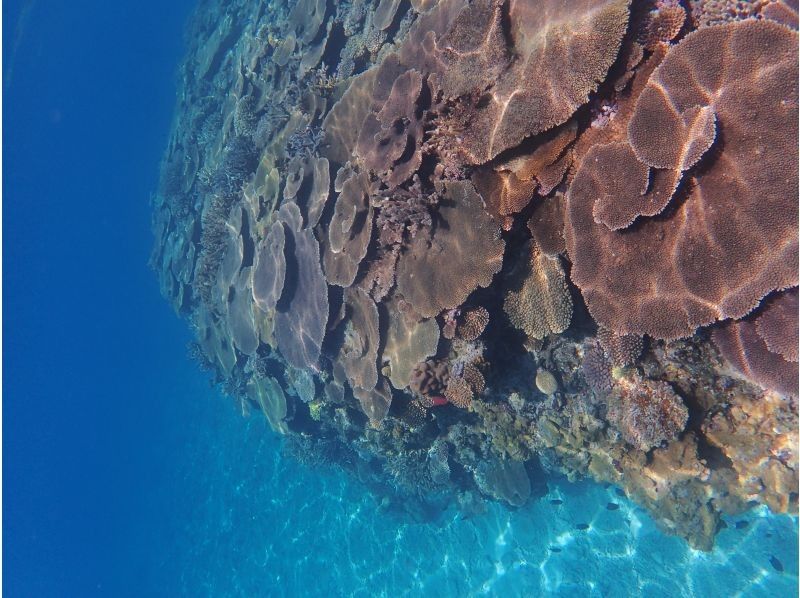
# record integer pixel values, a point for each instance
(410, 339)
(663, 24)
(538, 300)
(466, 239)
(474, 378)
(459, 393)
(547, 225)
(622, 350)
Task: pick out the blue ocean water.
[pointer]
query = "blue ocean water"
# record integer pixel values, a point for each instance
(125, 474)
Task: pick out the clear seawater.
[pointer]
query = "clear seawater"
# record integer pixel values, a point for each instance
(125, 474)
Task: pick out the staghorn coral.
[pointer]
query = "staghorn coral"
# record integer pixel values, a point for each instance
(646, 412)
(462, 225)
(596, 369)
(538, 300)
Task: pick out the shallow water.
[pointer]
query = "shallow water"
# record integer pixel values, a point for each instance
(255, 523)
(125, 474)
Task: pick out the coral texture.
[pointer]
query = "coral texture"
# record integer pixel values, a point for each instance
(455, 246)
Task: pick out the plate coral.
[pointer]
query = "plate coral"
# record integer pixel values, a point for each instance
(458, 246)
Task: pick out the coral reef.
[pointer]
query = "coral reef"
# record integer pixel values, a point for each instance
(455, 246)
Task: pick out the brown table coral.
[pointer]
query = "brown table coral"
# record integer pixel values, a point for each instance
(430, 240)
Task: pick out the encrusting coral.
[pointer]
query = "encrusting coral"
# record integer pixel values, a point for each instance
(453, 245)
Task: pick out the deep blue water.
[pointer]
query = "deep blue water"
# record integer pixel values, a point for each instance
(124, 474)
(94, 361)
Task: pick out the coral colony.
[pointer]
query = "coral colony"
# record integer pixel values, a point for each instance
(454, 246)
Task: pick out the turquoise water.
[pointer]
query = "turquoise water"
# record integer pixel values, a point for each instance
(257, 524)
(125, 474)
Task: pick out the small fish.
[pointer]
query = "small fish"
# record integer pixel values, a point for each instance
(582, 526)
(556, 501)
(554, 549)
(612, 506)
(768, 534)
(776, 564)
(606, 485)
(742, 524)
(620, 492)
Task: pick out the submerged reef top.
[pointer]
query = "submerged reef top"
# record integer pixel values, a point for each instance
(452, 246)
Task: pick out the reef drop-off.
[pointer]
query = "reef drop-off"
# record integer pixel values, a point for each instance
(452, 246)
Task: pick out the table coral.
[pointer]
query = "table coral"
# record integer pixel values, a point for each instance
(454, 247)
